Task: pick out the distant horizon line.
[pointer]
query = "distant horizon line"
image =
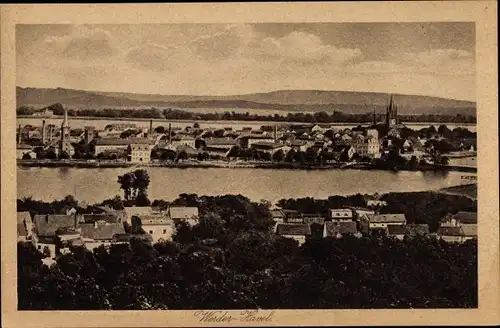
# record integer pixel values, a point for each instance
(246, 94)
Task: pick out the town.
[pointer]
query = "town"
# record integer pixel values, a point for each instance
(383, 143)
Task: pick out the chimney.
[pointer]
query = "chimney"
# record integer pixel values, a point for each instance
(150, 127)
(44, 133)
(275, 133)
(169, 132)
(19, 138)
(50, 132)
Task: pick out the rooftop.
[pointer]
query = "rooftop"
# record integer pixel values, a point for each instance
(387, 218)
(466, 217)
(293, 229)
(220, 142)
(101, 232)
(469, 230)
(109, 218)
(267, 145)
(183, 212)
(46, 225)
(334, 228)
(450, 231)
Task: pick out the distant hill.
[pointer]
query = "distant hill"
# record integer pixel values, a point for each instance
(286, 100)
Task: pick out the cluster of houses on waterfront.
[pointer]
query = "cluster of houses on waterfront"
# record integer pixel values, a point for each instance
(128, 142)
(53, 234)
(454, 228)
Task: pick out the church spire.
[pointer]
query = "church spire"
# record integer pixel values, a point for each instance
(65, 121)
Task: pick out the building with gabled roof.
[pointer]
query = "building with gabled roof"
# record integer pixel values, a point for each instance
(338, 229)
(341, 214)
(188, 214)
(451, 234)
(370, 222)
(100, 234)
(298, 232)
(47, 225)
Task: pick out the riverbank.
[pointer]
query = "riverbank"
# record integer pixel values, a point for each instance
(228, 122)
(225, 164)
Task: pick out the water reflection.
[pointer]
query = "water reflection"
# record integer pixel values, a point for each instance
(94, 185)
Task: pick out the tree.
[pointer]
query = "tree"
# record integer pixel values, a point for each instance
(445, 160)
(115, 203)
(141, 183)
(126, 182)
(182, 155)
(57, 108)
(159, 129)
(290, 156)
(300, 157)
(413, 163)
(64, 155)
(27, 156)
(279, 156)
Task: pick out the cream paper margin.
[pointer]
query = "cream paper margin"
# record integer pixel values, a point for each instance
(480, 12)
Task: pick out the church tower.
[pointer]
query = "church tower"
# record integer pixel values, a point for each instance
(391, 116)
(65, 145)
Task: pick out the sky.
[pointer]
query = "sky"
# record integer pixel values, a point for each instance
(435, 59)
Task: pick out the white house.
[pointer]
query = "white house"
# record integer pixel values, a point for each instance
(384, 220)
(183, 140)
(270, 147)
(139, 153)
(161, 228)
(341, 214)
(138, 211)
(100, 233)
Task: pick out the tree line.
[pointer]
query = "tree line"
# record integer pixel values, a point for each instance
(299, 116)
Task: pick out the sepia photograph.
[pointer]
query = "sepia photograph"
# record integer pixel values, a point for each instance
(249, 166)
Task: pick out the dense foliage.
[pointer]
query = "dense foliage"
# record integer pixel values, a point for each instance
(255, 269)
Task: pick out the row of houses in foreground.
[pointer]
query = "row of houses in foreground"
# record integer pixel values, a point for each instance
(454, 228)
(53, 234)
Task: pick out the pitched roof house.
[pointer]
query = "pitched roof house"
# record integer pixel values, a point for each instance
(384, 220)
(47, 225)
(101, 232)
(338, 229)
(296, 231)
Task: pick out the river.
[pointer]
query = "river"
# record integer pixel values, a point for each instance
(95, 185)
(99, 124)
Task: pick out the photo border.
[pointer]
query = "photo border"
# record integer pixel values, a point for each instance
(483, 13)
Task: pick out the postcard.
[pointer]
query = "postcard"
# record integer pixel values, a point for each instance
(249, 164)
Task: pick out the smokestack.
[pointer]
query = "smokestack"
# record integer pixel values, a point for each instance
(275, 133)
(44, 134)
(150, 127)
(65, 121)
(19, 138)
(169, 132)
